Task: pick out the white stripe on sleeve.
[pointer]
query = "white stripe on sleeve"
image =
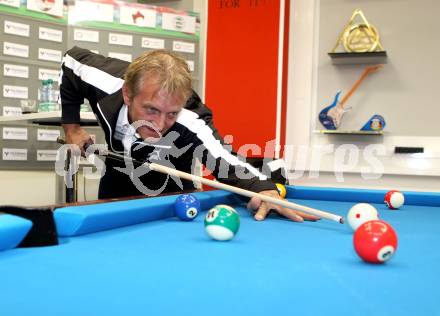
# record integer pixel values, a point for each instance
(198, 126)
(91, 75)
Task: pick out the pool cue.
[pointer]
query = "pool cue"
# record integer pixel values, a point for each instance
(218, 185)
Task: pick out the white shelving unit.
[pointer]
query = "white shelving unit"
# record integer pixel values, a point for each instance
(47, 117)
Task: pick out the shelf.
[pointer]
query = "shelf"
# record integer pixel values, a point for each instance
(49, 118)
(359, 58)
(341, 132)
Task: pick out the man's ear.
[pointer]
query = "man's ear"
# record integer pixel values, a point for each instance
(126, 95)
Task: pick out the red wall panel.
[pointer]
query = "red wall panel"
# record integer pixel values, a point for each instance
(241, 69)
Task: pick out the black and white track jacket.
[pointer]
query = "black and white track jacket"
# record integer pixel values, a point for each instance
(99, 79)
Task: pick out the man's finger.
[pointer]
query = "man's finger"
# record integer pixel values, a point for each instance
(290, 214)
(308, 217)
(263, 209)
(253, 204)
(85, 144)
(262, 212)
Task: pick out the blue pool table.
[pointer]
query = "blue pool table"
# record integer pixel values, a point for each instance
(135, 258)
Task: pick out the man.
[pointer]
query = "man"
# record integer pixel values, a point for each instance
(148, 109)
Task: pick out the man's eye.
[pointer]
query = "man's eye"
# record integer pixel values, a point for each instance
(172, 114)
(152, 111)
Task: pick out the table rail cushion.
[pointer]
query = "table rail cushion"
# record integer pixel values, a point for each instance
(359, 195)
(13, 229)
(85, 219)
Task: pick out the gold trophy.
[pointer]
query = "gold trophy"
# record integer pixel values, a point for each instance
(359, 37)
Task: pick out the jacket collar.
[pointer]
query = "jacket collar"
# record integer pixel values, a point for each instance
(108, 111)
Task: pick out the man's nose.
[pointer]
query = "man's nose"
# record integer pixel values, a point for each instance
(161, 122)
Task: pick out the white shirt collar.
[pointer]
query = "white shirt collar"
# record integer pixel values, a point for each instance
(124, 131)
(123, 116)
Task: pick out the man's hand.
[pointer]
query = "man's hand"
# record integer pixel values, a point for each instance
(76, 135)
(263, 208)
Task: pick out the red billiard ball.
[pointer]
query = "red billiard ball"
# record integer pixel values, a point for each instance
(187, 207)
(394, 199)
(375, 241)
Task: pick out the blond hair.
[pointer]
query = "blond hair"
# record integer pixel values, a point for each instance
(169, 70)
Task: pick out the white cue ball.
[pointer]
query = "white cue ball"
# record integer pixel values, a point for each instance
(361, 213)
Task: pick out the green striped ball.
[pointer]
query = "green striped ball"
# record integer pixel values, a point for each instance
(222, 222)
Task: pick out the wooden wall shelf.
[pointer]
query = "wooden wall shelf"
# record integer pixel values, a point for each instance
(359, 58)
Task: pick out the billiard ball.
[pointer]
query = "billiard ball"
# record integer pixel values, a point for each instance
(361, 213)
(222, 222)
(281, 189)
(375, 241)
(186, 207)
(394, 199)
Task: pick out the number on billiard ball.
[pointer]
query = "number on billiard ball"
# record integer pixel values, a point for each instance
(222, 222)
(361, 213)
(375, 241)
(186, 207)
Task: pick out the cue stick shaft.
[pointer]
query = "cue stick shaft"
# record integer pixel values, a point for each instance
(230, 188)
(223, 186)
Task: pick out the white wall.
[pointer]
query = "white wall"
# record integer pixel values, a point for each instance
(307, 64)
(27, 188)
(404, 91)
(39, 188)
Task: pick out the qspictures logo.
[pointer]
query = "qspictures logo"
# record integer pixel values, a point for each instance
(162, 150)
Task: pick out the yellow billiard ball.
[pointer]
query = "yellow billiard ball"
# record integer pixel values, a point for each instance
(281, 190)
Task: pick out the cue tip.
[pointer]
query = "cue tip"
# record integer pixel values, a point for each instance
(341, 220)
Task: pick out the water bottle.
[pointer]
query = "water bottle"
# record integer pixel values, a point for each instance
(52, 95)
(44, 97)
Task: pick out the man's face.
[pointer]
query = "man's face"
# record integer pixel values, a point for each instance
(155, 106)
